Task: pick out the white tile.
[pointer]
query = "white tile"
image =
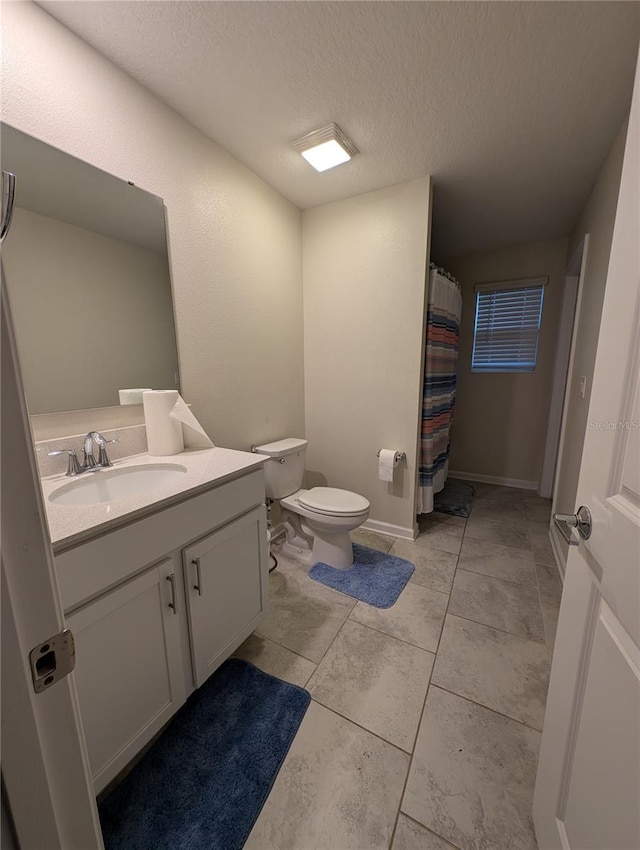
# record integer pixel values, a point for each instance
(537, 512)
(304, 616)
(376, 681)
(372, 539)
(472, 775)
(512, 509)
(416, 617)
(504, 530)
(276, 659)
(492, 559)
(433, 568)
(339, 787)
(502, 604)
(540, 543)
(507, 673)
(412, 836)
(440, 535)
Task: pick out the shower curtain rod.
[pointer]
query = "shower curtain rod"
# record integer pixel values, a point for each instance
(446, 274)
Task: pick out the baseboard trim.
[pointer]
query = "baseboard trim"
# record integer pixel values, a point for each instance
(389, 528)
(558, 553)
(520, 483)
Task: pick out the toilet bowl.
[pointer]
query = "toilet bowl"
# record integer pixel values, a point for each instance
(318, 521)
(329, 515)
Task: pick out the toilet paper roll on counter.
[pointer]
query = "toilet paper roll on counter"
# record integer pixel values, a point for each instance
(132, 396)
(388, 459)
(171, 426)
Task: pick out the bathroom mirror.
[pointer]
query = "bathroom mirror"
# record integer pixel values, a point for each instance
(88, 277)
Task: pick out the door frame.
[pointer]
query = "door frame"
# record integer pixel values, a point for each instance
(563, 368)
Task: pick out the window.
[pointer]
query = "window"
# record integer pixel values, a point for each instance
(507, 326)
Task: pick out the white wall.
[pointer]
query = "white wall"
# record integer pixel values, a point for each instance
(235, 243)
(364, 262)
(92, 314)
(500, 420)
(596, 219)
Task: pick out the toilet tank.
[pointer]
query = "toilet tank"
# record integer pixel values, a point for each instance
(284, 472)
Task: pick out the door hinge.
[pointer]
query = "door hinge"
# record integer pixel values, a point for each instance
(52, 660)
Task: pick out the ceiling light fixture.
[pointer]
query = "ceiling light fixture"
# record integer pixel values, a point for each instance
(326, 148)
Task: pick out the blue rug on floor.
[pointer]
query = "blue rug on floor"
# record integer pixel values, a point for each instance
(456, 498)
(375, 577)
(203, 783)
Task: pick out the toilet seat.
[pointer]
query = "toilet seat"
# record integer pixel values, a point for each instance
(332, 501)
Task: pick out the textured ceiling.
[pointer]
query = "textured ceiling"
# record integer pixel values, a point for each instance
(510, 106)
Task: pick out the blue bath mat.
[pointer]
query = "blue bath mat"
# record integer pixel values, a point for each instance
(455, 498)
(203, 783)
(375, 577)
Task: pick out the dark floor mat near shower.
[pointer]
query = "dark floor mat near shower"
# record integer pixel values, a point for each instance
(456, 498)
(205, 780)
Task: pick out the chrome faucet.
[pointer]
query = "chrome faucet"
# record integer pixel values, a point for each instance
(87, 451)
(89, 462)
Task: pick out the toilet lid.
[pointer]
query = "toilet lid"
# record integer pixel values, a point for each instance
(329, 500)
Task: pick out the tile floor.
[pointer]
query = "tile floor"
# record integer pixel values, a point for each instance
(424, 726)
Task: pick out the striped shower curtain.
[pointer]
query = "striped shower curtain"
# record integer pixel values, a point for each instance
(444, 307)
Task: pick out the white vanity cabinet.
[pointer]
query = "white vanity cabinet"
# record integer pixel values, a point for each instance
(129, 668)
(223, 581)
(156, 606)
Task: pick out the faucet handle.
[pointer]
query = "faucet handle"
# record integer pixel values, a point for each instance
(74, 467)
(103, 458)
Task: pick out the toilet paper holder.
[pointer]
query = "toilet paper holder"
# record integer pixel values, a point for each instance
(401, 455)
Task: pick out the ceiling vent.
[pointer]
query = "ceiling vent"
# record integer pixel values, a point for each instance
(326, 148)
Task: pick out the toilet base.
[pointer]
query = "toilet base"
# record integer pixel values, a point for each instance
(336, 554)
(313, 538)
(336, 551)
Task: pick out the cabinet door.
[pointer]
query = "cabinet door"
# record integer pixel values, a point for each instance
(129, 670)
(226, 584)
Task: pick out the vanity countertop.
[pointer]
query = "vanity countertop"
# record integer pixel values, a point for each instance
(70, 525)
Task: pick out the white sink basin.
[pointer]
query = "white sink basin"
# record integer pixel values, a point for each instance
(109, 485)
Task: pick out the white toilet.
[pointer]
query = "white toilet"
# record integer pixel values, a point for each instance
(317, 521)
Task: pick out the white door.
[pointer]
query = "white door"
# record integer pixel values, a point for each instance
(588, 785)
(45, 767)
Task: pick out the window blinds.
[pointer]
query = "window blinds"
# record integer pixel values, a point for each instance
(507, 326)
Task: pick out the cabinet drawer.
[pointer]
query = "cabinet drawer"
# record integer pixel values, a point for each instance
(100, 564)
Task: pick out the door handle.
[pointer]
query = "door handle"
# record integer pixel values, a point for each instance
(198, 585)
(581, 521)
(173, 604)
